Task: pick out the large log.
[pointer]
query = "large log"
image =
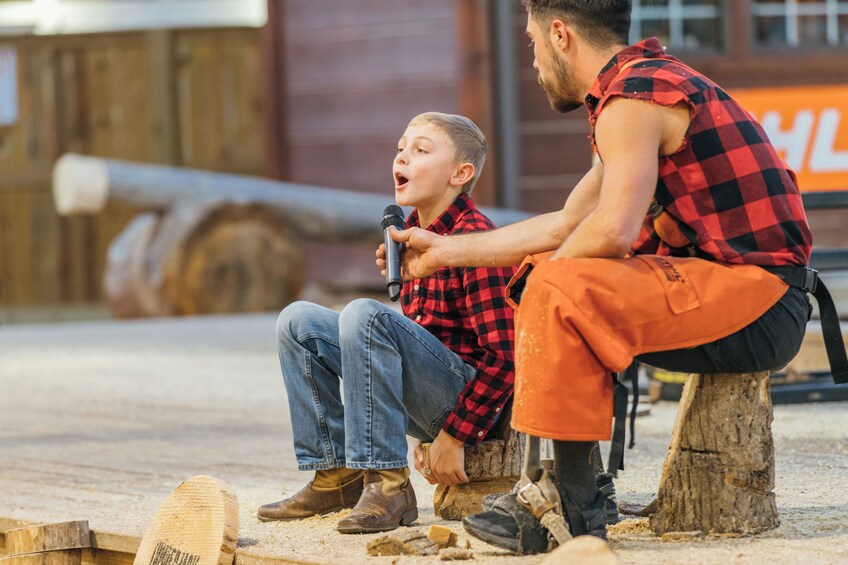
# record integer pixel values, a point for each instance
(204, 258)
(84, 185)
(719, 473)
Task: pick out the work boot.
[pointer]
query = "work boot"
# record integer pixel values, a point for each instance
(387, 502)
(329, 491)
(607, 489)
(509, 525)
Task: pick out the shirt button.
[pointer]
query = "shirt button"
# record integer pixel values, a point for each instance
(416, 287)
(418, 318)
(497, 409)
(479, 434)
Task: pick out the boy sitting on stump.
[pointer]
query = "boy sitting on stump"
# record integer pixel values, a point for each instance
(441, 372)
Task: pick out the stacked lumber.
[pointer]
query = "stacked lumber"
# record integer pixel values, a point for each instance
(47, 544)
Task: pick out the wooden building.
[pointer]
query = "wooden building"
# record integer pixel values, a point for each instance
(320, 94)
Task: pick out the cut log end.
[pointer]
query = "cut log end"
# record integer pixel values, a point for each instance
(80, 184)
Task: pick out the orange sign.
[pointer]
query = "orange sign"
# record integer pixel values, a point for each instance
(809, 128)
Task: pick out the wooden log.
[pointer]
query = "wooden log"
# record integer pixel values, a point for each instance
(493, 467)
(126, 285)
(205, 258)
(48, 537)
(489, 460)
(65, 557)
(196, 525)
(403, 542)
(84, 184)
(455, 502)
(719, 474)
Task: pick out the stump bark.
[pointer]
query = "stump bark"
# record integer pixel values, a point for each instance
(492, 467)
(719, 473)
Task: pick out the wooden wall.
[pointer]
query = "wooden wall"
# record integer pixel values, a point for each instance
(189, 98)
(356, 72)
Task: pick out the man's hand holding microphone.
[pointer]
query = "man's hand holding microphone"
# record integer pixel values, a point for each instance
(419, 250)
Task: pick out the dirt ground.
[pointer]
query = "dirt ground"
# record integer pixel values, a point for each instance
(101, 420)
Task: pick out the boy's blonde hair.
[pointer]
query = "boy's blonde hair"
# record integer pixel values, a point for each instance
(468, 141)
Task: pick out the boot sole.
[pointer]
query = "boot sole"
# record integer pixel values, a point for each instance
(406, 520)
(510, 544)
(295, 518)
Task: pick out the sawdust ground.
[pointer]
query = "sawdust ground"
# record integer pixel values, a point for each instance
(100, 421)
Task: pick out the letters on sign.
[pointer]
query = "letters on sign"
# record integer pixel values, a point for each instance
(809, 127)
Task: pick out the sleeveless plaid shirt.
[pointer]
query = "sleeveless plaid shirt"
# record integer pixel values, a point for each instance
(727, 188)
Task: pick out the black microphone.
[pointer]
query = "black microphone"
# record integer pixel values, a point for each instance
(392, 216)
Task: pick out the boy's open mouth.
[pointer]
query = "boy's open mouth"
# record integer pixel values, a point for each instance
(400, 180)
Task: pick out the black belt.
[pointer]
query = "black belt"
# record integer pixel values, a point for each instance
(808, 280)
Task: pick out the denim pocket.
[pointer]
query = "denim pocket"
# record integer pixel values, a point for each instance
(437, 424)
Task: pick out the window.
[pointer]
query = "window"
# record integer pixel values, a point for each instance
(92, 16)
(800, 23)
(680, 24)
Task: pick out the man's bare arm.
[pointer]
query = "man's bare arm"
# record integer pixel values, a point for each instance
(629, 134)
(425, 251)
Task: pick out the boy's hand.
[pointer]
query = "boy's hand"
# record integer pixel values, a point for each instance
(420, 252)
(418, 452)
(447, 460)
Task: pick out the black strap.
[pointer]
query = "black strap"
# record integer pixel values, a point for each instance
(832, 334)
(807, 279)
(619, 409)
(632, 373)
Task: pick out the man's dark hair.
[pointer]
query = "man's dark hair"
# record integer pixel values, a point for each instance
(600, 22)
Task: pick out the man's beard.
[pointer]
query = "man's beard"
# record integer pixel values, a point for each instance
(563, 95)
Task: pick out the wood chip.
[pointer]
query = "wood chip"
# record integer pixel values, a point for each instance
(406, 542)
(442, 536)
(455, 554)
(682, 536)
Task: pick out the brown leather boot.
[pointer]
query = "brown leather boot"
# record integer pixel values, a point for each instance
(379, 511)
(312, 500)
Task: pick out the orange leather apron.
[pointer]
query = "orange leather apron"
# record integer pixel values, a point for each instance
(581, 319)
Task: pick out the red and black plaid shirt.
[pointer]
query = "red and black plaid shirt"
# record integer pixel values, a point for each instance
(727, 187)
(465, 308)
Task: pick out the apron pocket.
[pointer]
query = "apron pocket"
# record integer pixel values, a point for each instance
(678, 288)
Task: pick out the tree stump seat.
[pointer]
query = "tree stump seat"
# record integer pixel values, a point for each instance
(493, 467)
(718, 476)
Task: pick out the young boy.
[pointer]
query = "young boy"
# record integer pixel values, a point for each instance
(441, 372)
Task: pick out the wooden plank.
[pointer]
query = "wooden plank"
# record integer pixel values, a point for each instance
(48, 537)
(313, 15)
(45, 249)
(69, 557)
(162, 95)
(20, 248)
(6, 296)
(475, 82)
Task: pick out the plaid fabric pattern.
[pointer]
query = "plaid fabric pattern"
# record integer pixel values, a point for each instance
(466, 309)
(727, 187)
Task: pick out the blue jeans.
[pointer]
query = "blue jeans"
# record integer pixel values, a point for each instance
(398, 379)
